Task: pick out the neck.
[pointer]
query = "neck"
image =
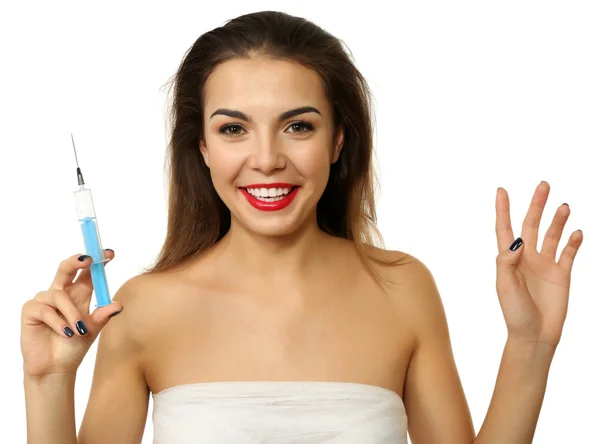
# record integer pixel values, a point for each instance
(292, 255)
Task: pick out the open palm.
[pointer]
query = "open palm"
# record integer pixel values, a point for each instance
(533, 287)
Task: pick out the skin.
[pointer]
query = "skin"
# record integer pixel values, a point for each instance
(320, 316)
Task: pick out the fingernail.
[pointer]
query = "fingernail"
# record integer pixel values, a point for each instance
(115, 313)
(516, 244)
(110, 249)
(68, 332)
(82, 257)
(566, 204)
(81, 328)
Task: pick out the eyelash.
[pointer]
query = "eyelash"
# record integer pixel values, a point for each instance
(308, 128)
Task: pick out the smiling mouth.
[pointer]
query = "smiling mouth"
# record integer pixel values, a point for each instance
(270, 197)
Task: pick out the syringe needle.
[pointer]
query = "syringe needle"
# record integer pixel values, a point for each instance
(79, 175)
(74, 150)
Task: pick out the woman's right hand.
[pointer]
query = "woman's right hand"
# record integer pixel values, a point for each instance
(57, 329)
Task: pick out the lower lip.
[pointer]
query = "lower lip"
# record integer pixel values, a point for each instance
(270, 206)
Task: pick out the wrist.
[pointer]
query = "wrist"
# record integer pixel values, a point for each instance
(530, 349)
(51, 379)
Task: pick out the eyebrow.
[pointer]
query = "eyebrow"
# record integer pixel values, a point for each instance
(286, 115)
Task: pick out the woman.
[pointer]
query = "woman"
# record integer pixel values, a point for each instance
(270, 315)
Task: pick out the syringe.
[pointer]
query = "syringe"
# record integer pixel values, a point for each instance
(91, 237)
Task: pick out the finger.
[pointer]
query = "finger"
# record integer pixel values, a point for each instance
(61, 301)
(102, 315)
(567, 257)
(506, 264)
(504, 232)
(531, 223)
(83, 286)
(36, 312)
(554, 233)
(67, 270)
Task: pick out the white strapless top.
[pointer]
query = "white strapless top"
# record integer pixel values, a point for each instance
(278, 412)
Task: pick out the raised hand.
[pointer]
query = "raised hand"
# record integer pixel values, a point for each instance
(533, 287)
(56, 327)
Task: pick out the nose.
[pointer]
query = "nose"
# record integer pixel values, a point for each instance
(267, 156)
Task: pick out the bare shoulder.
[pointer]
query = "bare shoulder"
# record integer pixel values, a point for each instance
(396, 265)
(145, 299)
(411, 284)
(405, 274)
(138, 296)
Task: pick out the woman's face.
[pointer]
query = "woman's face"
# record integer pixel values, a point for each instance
(269, 142)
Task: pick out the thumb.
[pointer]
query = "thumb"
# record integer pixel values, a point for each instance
(507, 262)
(102, 315)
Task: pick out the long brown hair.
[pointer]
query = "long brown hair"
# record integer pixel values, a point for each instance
(197, 216)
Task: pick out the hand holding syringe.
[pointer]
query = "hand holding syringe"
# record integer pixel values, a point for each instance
(57, 328)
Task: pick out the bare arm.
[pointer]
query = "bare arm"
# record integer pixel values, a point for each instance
(435, 402)
(50, 411)
(118, 404)
(436, 405)
(518, 395)
(116, 411)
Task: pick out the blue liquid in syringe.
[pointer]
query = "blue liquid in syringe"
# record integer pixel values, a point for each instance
(93, 249)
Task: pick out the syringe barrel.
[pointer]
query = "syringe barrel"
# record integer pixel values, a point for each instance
(84, 205)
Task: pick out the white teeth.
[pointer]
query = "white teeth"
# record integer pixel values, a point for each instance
(275, 193)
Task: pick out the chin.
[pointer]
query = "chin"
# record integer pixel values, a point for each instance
(272, 226)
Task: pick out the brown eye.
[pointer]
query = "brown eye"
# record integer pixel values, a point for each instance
(301, 127)
(231, 129)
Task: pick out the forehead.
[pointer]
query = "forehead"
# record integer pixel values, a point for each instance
(261, 83)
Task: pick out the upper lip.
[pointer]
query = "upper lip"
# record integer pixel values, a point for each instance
(270, 185)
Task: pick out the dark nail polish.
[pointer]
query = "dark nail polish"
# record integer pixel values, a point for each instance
(68, 331)
(109, 249)
(81, 328)
(516, 244)
(115, 313)
(82, 257)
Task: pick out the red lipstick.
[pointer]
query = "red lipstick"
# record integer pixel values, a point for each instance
(272, 205)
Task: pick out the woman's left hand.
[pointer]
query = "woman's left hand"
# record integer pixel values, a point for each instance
(533, 288)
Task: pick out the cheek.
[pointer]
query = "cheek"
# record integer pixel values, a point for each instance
(313, 164)
(224, 165)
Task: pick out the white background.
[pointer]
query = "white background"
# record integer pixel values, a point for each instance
(469, 96)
